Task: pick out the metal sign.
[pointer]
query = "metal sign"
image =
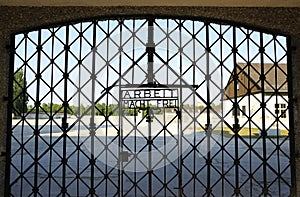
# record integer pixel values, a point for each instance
(140, 98)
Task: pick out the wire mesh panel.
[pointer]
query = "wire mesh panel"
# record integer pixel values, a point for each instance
(150, 107)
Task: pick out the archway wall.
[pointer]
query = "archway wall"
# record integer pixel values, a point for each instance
(17, 19)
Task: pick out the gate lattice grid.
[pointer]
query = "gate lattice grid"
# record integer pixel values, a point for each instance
(71, 135)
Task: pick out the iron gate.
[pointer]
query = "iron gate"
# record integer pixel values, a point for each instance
(149, 107)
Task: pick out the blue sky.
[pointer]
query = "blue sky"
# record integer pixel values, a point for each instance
(193, 51)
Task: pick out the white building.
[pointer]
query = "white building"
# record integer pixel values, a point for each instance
(252, 87)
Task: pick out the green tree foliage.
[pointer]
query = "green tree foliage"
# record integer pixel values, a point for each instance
(55, 108)
(20, 98)
(100, 109)
(48, 108)
(103, 110)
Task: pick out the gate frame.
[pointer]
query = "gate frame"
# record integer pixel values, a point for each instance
(291, 65)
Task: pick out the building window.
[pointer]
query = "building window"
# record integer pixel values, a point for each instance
(244, 110)
(280, 109)
(238, 112)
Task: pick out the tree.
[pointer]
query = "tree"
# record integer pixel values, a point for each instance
(100, 109)
(20, 98)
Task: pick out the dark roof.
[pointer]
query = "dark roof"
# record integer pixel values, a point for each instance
(275, 75)
(250, 79)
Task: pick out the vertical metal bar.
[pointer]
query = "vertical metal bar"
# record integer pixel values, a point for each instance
(135, 151)
(194, 114)
(120, 133)
(236, 109)
(23, 121)
(92, 119)
(165, 139)
(149, 113)
(150, 48)
(120, 107)
(222, 107)
(106, 115)
(106, 129)
(276, 121)
(133, 52)
(249, 110)
(208, 107)
(135, 117)
(51, 112)
(291, 66)
(65, 116)
(165, 153)
(150, 77)
(79, 108)
(168, 54)
(36, 131)
(179, 138)
(9, 114)
(263, 106)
